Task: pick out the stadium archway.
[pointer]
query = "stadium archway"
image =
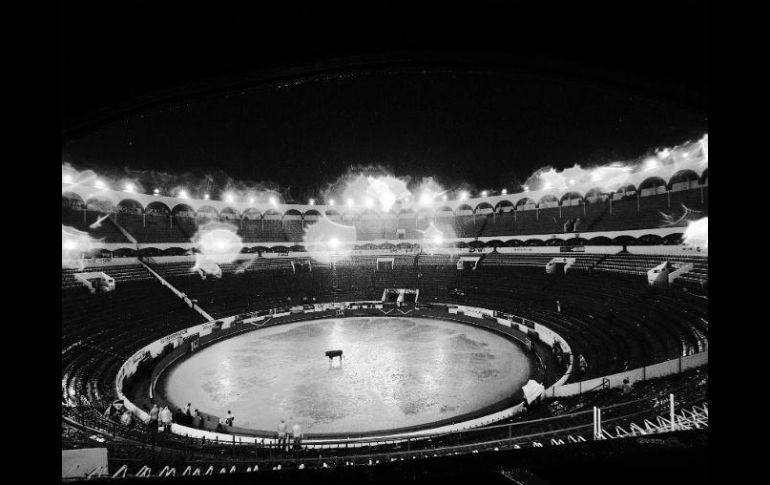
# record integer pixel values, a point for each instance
(229, 214)
(513, 243)
(524, 202)
(683, 180)
(100, 204)
(571, 198)
(594, 196)
(600, 241)
(483, 208)
(71, 200)
(548, 200)
(652, 185)
(157, 208)
(503, 206)
(182, 210)
(650, 240)
(130, 206)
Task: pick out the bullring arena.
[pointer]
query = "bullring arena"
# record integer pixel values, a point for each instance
(466, 325)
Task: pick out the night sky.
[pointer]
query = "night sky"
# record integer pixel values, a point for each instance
(473, 125)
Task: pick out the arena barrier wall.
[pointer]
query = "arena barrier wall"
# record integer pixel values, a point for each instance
(662, 369)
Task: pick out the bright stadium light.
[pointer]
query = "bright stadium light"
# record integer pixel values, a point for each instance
(350, 202)
(206, 196)
(183, 194)
(70, 244)
(273, 201)
(483, 193)
(526, 188)
(504, 191)
(572, 181)
(331, 202)
(99, 184)
(130, 187)
(426, 199)
(444, 197)
(229, 198)
(651, 164)
(463, 195)
(369, 202)
(312, 202)
(156, 191)
(66, 178)
(334, 243)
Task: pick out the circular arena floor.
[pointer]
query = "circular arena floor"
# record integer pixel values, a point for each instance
(396, 372)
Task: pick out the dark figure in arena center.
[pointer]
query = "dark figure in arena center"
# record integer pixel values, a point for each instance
(331, 354)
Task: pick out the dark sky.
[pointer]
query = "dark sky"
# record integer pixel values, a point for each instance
(489, 121)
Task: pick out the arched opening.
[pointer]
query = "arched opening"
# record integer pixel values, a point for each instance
(600, 241)
(624, 192)
(99, 204)
(174, 251)
(464, 209)
(71, 200)
(525, 203)
(624, 240)
(444, 211)
(513, 243)
(124, 253)
(292, 214)
(683, 180)
(651, 240)
(674, 239)
(576, 241)
(652, 186)
(130, 206)
(570, 198)
(484, 208)
(595, 196)
(272, 214)
(252, 214)
(477, 244)
(495, 243)
(183, 210)
(547, 201)
(228, 214)
(534, 242)
(503, 206)
(157, 208)
(704, 178)
(554, 241)
(207, 212)
(149, 252)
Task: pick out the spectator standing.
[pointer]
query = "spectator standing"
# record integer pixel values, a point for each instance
(197, 419)
(230, 418)
(165, 418)
(282, 435)
(297, 435)
(126, 419)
